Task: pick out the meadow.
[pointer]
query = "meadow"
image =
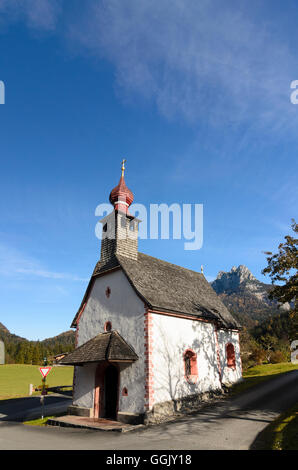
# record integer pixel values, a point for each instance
(258, 374)
(16, 378)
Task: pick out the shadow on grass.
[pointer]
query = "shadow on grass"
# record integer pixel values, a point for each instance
(290, 435)
(250, 382)
(281, 434)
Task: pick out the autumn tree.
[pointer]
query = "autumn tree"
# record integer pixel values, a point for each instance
(283, 268)
(268, 342)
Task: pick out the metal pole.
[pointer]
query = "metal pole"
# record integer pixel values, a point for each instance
(43, 391)
(42, 406)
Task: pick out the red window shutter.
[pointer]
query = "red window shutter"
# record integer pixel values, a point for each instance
(231, 359)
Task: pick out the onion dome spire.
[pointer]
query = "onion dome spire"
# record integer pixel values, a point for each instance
(121, 197)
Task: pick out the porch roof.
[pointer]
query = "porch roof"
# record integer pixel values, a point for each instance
(109, 346)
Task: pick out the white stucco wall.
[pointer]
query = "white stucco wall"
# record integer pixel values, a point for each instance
(84, 385)
(228, 374)
(172, 336)
(125, 311)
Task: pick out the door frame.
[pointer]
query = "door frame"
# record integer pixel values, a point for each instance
(99, 389)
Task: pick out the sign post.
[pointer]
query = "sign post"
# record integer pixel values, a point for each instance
(42, 406)
(44, 372)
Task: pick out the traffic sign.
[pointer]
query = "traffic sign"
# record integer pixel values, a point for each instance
(45, 370)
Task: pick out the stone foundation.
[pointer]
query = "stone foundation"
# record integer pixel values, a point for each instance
(80, 411)
(130, 418)
(174, 408)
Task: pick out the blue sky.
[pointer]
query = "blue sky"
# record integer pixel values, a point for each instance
(195, 95)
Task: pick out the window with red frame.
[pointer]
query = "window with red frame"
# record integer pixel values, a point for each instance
(231, 358)
(190, 364)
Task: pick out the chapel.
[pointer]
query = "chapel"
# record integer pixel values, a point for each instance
(152, 338)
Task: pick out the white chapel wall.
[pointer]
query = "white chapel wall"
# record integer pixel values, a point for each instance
(228, 374)
(124, 309)
(84, 384)
(172, 336)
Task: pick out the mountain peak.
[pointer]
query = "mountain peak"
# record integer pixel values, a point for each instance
(232, 280)
(245, 295)
(236, 275)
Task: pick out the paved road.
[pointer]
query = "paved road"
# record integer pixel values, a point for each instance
(231, 424)
(20, 409)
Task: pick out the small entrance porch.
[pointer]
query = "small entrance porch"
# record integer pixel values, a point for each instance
(100, 424)
(99, 363)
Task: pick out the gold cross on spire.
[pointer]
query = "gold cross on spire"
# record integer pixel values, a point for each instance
(123, 167)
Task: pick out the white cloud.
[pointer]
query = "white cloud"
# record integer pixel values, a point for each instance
(209, 61)
(39, 14)
(50, 274)
(14, 263)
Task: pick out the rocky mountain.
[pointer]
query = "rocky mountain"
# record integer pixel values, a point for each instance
(245, 296)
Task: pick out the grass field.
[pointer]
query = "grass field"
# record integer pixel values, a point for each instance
(16, 378)
(259, 374)
(282, 434)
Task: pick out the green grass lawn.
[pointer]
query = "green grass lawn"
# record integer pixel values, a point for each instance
(41, 421)
(15, 378)
(282, 434)
(259, 374)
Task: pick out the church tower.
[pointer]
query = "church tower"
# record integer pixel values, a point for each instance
(120, 228)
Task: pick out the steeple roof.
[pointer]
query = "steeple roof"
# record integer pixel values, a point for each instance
(121, 197)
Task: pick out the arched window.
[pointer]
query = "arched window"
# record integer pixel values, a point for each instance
(190, 365)
(108, 326)
(231, 358)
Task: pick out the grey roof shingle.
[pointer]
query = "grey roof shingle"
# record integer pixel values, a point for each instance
(168, 287)
(109, 346)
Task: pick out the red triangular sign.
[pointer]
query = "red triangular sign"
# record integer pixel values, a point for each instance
(45, 370)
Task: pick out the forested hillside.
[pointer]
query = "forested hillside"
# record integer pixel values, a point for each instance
(269, 341)
(21, 351)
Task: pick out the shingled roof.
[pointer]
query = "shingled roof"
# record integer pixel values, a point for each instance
(167, 287)
(109, 346)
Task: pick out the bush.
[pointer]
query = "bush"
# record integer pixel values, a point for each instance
(277, 356)
(258, 355)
